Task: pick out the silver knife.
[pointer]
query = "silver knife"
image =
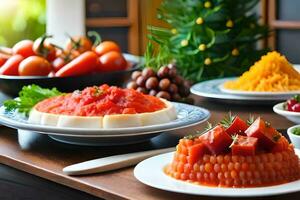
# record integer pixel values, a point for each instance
(112, 162)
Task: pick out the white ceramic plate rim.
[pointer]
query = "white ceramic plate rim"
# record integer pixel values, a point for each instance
(278, 108)
(150, 172)
(226, 96)
(81, 132)
(252, 93)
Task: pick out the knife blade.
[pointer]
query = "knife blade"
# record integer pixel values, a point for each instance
(112, 162)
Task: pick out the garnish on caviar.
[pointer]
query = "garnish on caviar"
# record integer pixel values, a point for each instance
(257, 156)
(293, 104)
(29, 96)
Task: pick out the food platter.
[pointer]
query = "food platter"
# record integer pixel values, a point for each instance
(150, 172)
(213, 89)
(187, 115)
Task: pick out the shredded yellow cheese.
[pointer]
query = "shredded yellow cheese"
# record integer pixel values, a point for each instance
(272, 73)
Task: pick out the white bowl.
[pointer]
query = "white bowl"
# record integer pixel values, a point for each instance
(295, 139)
(290, 115)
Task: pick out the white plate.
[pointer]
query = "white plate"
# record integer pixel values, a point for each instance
(187, 115)
(211, 89)
(150, 172)
(257, 94)
(292, 116)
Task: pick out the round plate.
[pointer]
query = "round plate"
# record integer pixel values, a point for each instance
(150, 172)
(257, 94)
(187, 115)
(292, 116)
(211, 89)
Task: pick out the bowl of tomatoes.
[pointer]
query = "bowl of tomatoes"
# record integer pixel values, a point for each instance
(78, 65)
(289, 109)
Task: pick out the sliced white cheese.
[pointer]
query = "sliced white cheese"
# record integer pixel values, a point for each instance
(122, 121)
(49, 119)
(79, 121)
(108, 121)
(35, 116)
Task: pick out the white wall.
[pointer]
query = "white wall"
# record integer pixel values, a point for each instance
(65, 16)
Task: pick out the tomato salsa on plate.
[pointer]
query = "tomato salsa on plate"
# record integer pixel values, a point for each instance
(100, 101)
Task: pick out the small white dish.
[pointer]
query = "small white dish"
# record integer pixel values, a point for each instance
(150, 172)
(295, 139)
(290, 115)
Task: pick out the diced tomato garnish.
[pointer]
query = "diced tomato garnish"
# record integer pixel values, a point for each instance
(216, 140)
(238, 126)
(244, 146)
(281, 145)
(196, 151)
(267, 136)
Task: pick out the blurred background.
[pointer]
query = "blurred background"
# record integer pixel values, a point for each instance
(125, 21)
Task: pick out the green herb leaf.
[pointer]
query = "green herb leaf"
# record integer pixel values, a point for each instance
(29, 96)
(296, 131)
(227, 121)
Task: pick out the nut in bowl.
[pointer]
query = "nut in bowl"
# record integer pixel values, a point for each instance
(289, 109)
(294, 135)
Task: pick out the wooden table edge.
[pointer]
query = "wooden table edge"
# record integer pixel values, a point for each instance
(71, 182)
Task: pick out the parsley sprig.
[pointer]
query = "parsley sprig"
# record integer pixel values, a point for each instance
(29, 96)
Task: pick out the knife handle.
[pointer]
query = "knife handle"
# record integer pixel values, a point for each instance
(112, 162)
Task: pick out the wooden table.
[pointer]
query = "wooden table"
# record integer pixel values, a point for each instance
(39, 155)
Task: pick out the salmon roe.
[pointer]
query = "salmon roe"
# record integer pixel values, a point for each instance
(227, 170)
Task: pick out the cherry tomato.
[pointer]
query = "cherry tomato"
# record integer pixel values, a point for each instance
(58, 63)
(6, 50)
(106, 46)
(24, 48)
(79, 43)
(11, 66)
(3, 58)
(51, 74)
(296, 107)
(44, 48)
(83, 64)
(112, 61)
(34, 66)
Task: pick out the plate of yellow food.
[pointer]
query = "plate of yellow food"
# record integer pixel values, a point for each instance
(269, 80)
(271, 75)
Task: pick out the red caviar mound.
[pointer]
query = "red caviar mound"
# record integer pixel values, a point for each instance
(100, 101)
(240, 163)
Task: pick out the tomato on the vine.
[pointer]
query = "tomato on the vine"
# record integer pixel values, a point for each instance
(44, 48)
(79, 43)
(24, 48)
(112, 61)
(34, 66)
(106, 46)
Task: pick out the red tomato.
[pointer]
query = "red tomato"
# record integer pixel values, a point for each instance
(3, 58)
(6, 50)
(34, 66)
(244, 146)
(44, 48)
(58, 63)
(216, 140)
(79, 43)
(196, 151)
(11, 66)
(24, 48)
(83, 64)
(105, 47)
(112, 61)
(238, 126)
(290, 103)
(267, 136)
